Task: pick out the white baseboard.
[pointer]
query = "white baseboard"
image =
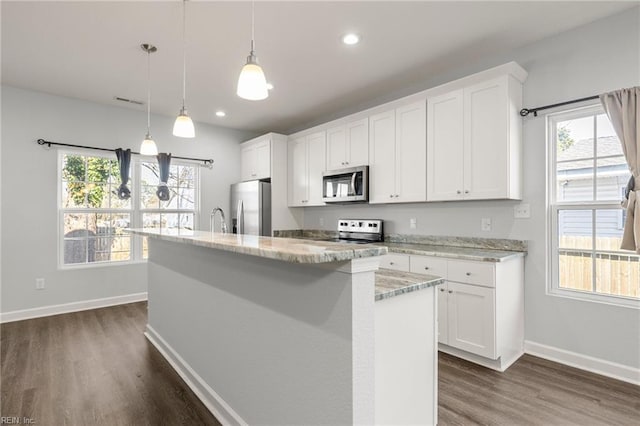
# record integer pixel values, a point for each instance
(214, 403)
(46, 311)
(584, 362)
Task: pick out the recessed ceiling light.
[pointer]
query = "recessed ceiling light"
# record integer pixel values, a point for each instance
(220, 113)
(351, 39)
(269, 86)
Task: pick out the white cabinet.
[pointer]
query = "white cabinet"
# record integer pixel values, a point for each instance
(397, 262)
(480, 307)
(348, 145)
(255, 159)
(397, 155)
(306, 162)
(474, 142)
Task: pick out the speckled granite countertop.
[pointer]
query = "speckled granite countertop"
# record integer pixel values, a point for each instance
(464, 248)
(452, 252)
(391, 283)
(286, 249)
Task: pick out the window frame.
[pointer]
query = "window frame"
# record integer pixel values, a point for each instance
(554, 207)
(135, 212)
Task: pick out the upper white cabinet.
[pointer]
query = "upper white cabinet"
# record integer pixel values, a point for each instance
(306, 162)
(255, 159)
(397, 155)
(348, 145)
(474, 141)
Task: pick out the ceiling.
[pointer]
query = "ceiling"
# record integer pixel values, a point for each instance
(90, 50)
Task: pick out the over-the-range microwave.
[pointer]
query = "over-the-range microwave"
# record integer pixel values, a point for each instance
(346, 185)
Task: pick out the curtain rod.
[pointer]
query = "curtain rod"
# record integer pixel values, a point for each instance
(207, 162)
(526, 111)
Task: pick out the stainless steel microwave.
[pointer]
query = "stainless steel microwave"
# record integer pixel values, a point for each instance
(346, 185)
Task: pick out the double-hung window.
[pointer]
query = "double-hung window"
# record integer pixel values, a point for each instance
(587, 175)
(93, 218)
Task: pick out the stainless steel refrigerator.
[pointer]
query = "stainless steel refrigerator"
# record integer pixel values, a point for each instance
(251, 208)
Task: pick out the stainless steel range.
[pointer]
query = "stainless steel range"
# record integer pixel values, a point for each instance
(359, 231)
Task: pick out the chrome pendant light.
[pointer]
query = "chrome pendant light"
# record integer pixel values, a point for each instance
(148, 146)
(252, 84)
(183, 127)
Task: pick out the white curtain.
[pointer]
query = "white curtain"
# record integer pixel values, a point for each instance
(623, 109)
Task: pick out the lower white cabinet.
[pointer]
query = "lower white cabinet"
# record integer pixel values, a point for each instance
(468, 318)
(480, 306)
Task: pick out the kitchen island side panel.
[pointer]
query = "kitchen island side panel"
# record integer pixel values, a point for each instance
(275, 340)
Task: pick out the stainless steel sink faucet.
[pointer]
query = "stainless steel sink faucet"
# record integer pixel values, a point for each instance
(212, 219)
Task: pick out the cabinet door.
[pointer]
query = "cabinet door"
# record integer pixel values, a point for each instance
(486, 133)
(382, 157)
(263, 159)
(298, 175)
(316, 166)
(471, 319)
(443, 333)
(336, 148)
(357, 143)
(247, 162)
(411, 153)
(445, 115)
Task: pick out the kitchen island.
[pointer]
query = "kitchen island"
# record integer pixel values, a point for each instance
(272, 330)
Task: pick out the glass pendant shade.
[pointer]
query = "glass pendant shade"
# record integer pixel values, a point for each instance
(183, 126)
(148, 146)
(252, 84)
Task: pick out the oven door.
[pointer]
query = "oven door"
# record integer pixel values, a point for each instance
(345, 185)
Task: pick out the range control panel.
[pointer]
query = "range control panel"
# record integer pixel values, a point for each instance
(360, 226)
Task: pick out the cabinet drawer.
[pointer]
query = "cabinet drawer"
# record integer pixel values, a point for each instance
(399, 262)
(428, 265)
(479, 273)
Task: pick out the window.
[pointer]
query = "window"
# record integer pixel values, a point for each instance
(93, 218)
(588, 169)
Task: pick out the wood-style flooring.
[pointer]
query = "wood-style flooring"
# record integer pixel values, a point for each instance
(96, 368)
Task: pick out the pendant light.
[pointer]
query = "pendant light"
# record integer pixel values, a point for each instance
(252, 84)
(148, 146)
(183, 127)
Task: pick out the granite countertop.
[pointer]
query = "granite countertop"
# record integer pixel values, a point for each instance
(452, 252)
(390, 283)
(285, 249)
(464, 248)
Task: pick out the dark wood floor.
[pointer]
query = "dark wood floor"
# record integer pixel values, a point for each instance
(96, 368)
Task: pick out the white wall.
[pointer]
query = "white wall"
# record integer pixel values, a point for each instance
(29, 190)
(589, 60)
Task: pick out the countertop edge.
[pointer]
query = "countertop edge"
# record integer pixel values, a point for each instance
(450, 255)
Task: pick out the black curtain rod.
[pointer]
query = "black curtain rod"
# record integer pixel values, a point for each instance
(526, 111)
(206, 162)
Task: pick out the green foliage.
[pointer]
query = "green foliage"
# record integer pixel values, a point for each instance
(565, 141)
(88, 175)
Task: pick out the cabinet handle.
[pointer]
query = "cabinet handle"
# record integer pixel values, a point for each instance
(390, 263)
(466, 191)
(253, 174)
(450, 291)
(459, 192)
(346, 162)
(442, 289)
(391, 196)
(397, 195)
(468, 274)
(426, 268)
(342, 163)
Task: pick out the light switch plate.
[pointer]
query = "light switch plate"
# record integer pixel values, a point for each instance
(413, 223)
(522, 211)
(486, 224)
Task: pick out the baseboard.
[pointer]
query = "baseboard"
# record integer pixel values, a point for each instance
(46, 311)
(584, 362)
(214, 403)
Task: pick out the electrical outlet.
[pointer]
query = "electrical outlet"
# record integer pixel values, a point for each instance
(413, 223)
(39, 283)
(322, 221)
(486, 224)
(522, 211)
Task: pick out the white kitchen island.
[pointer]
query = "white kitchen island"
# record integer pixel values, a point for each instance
(270, 330)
